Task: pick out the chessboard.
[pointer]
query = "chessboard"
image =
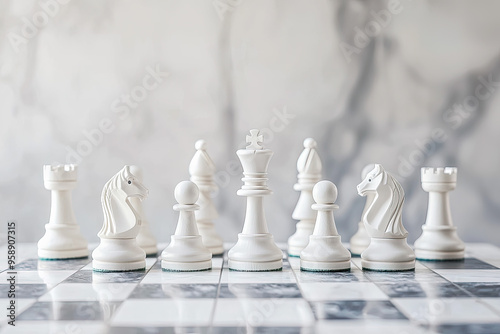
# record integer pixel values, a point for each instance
(438, 297)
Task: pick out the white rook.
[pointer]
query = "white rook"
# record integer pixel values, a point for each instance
(439, 239)
(62, 239)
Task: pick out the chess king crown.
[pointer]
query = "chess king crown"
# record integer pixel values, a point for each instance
(255, 161)
(439, 175)
(60, 173)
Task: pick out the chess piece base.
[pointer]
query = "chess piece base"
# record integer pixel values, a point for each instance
(325, 266)
(359, 241)
(186, 266)
(210, 238)
(325, 253)
(62, 241)
(118, 267)
(255, 266)
(186, 253)
(255, 252)
(388, 255)
(439, 243)
(427, 255)
(299, 240)
(118, 255)
(44, 254)
(388, 266)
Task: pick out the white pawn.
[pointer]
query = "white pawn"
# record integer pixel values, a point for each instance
(325, 251)
(118, 250)
(309, 168)
(360, 241)
(62, 239)
(186, 251)
(439, 239)
(145, 238)
(202, 171)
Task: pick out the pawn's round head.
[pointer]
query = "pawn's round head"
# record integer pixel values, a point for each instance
(309, 143)
(186, 192)
(200, 145)
(325, 192)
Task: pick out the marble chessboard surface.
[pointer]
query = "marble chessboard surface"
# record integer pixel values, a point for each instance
(438, 297)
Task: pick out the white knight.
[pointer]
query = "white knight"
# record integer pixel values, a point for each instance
(118, 250)
(388, 249)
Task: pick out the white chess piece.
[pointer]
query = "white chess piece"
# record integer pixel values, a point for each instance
(309, 168)
(186, 251)
(62, 239)
(118, 250)
(325, 251)
(145, 238)
(388, 249)
(255, 249)
(439, 239)
(202, 171)
(360, 241)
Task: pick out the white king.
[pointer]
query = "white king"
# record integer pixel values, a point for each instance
(255, 249)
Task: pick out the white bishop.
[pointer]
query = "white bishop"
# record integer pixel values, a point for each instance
(309, 168)
(202, 171)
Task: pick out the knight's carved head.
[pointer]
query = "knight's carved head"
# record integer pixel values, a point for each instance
(373, 180)
(132, 184)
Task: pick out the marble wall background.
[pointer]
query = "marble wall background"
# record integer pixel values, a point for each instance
(401, 83)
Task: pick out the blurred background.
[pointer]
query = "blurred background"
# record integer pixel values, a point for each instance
(107, 83)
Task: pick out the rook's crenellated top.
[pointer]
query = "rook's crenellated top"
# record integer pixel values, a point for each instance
(60, 172)
(439, 175)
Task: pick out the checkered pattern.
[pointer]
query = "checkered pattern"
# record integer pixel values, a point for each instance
(439, 297)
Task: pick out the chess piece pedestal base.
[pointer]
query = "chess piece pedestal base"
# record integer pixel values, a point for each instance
(210, 238)
(299, 240)
(186, 266)
(118, 255)
(439, 243)
(186, 253)
(325, 253)
(388, 255)
(62, 241)
(147, 241)
(359, 241)
(255, 252)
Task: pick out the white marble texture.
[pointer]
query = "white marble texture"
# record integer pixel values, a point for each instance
(233, 71)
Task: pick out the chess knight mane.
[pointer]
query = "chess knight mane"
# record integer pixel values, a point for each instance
(120, 217)
(383, 218)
